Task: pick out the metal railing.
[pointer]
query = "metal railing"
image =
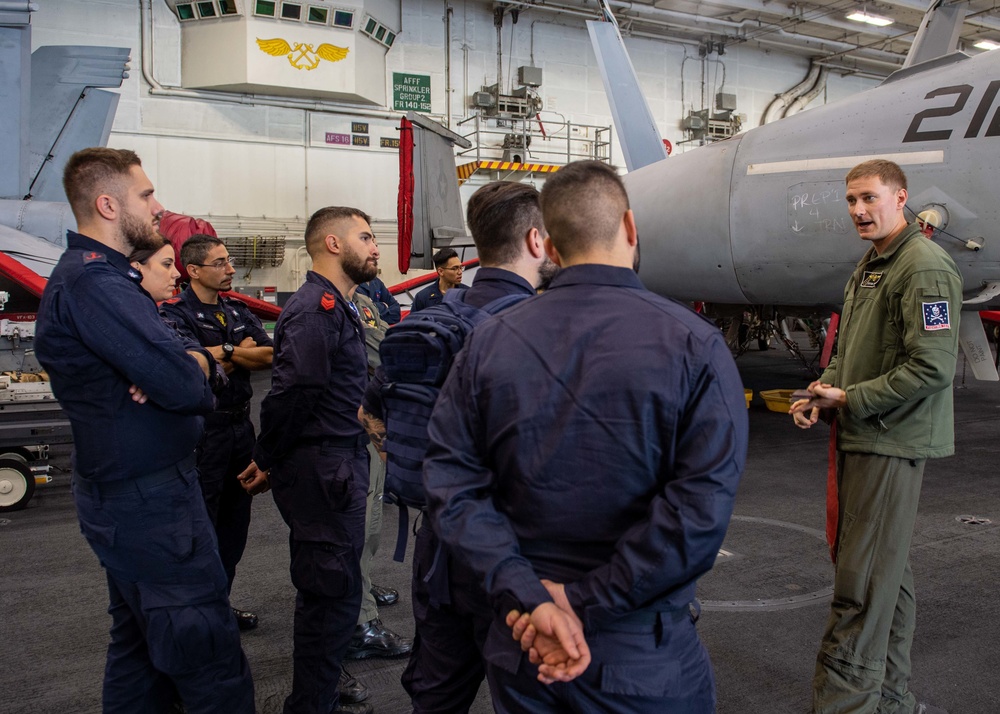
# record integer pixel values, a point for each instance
(535, 141)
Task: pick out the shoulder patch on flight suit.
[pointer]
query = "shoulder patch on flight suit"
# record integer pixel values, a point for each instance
(871, 279)
(134, 275)
(94, 257)
(936, 316)
(328, 301)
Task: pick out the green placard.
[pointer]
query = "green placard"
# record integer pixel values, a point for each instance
(411, 92)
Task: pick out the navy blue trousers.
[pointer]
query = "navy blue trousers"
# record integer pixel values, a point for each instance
(446, 666)
(172, 630)
(224, 452)
(649, 664)
(320, 492)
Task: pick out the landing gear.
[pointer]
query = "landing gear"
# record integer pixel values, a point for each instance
(17, 482)
(760, 325)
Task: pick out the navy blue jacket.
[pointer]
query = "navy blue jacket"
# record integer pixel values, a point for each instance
(378, 293)
(319, 372)
(595, 436)
(493, 283)
(431, 295)
(196, 321)
(98, 334)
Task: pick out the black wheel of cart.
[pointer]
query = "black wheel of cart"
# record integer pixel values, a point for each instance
(17, 483)
(18, 453)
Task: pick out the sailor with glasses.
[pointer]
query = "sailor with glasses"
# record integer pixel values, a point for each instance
(235, 337)
(449, 270)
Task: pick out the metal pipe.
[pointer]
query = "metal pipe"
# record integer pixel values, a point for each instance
(498, 23)
(853, 71)
(780, 103)
(817, 15)
(687, 22)
(801, 101)
(448, 11)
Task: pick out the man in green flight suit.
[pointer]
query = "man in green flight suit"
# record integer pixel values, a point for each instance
(891, 384)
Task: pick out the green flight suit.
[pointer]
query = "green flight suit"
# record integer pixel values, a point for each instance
(896, 358)
(374, 332)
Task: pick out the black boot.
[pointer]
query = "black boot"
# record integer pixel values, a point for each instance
(245, 619)
(351, 690)
(384, 597)
(372, 639)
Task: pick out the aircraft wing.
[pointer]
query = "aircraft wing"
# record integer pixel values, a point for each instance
(68, 113)
(32, 252)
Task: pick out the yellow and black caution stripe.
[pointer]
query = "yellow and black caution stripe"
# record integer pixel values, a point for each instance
(466, 170)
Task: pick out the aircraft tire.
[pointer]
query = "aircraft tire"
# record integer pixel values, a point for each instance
(17, 483)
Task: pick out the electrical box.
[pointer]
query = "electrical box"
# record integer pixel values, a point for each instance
(521, 104)
(529, 76)
(267, 293)
(725, 102)
(483, 100)
(693, 122)
(705, 125)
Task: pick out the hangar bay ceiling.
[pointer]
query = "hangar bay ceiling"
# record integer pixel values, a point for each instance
(819, 29)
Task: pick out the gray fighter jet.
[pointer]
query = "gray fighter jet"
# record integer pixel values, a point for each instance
(51, 105)
(760, 218)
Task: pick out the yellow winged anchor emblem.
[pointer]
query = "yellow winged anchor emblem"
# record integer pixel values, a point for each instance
(302, 55)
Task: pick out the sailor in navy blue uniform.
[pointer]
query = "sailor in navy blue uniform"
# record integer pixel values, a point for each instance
(452, 618)
(449, 270)
(236, 339)
(584, 458)
(388, 308)
(312, 451)
(133, 396)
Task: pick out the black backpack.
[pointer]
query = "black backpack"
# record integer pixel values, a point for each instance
(417, 355)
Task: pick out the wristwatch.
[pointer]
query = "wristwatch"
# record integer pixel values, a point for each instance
(227, 352)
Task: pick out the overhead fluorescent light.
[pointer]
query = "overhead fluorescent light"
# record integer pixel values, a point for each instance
(877, 20)
(987, 45)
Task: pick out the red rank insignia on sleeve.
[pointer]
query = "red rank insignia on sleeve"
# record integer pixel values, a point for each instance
(328, 302)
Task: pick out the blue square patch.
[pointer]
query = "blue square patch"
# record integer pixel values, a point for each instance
(936, 316)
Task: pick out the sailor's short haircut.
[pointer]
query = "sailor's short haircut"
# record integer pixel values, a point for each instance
(95, 171)
(888, 173)
(582, 206)
(320, 223)
(500, 215)
(196, 248)
(442, 257)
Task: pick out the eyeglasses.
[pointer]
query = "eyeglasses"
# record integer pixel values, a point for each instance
(459, 268)
(218, 264)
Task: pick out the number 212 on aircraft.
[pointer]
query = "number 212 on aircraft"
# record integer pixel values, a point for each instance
(962, 93)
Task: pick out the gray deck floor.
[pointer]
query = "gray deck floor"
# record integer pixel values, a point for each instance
(53, 626)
